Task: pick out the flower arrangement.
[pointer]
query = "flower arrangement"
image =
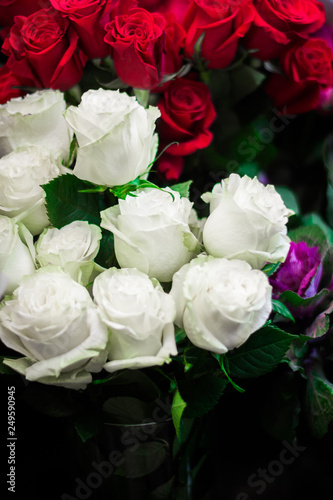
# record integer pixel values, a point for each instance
(154, 242)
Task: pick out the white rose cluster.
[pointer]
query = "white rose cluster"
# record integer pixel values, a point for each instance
(70, 317)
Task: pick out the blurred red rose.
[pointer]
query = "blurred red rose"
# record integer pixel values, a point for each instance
(88, 19)
(11, 8)
(176, 7)
(42, 51)
(278, 23)
(170, 167)
(221, 24)
(144, 47)
(7, 82)
(187, 112)
(307, 72)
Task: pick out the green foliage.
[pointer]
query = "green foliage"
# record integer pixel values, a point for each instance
(143, 460)
(177, 410)
(65, 203)
(319, 404)
(260, 354)
(183, 188)
(289, 198)
(202, 394)
(282, 310)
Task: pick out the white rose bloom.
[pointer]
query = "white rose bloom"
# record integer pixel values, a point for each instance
(73, 248)
(151, 232)
(247, 221)
(116, 137)
(16, 256)
(220, 302)
(54, 323)
(139, 316)
(22, 172)
(35, 120)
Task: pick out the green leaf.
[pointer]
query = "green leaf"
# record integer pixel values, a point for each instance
(313, 236)
(293, 301)
(106, 256)
(201, 394)
(319, 404)
(319, 327)
(180, 335)
(281, 309)
(87, 426)
(244, 80)
(65, 204)
(142, 96)
(183, 188)
(143, 460)
(270, 269)
(177, 410)
(315, 219)
(4, 369)
(288, 198)
(260, 354)
(126, 410)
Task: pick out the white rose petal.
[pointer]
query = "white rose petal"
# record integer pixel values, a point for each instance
(35, 120)
(16, 259)
(220, 302)
(139, 316)
(73, 248)
(116, 137)
(54, 323)
(247, 221)
(151, 232)
(22, 173)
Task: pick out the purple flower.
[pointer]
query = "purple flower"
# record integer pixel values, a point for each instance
(300, 273)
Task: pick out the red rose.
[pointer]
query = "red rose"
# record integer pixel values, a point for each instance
(11, 8)
(176, 7)
(88, 19)
(42, 51)
(222, 24)
(140, 44)
(277, 23)
(170, 166)
(307, 71)
(187, 112)
(7, 82)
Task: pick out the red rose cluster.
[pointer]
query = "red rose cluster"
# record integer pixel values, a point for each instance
(48, 42)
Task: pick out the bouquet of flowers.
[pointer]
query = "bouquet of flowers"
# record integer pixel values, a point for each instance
(159, 248)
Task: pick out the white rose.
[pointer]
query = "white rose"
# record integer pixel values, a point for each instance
(151, 232)
(35, 120)
(16, 256)
(73, 248)
(247, 221)
(115, 135)
(54, 323)
(139, 316)
(22, 172)
(220, 302)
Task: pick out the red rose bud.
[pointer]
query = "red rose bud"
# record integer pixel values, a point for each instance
(88, 19)
(187, 112)
(222, 25)
(136, 40)
(276, 24)
(307, 72)
(42, 51)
